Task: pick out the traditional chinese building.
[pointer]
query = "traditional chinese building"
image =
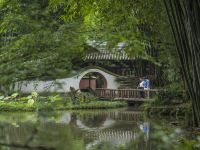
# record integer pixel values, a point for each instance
(118, 62)
(100, 68)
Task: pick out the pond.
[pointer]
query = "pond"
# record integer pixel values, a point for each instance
(79, 130)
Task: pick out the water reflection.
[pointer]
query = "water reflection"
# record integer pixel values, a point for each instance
(75, 130)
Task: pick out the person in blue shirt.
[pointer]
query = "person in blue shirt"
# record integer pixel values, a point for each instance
(147, 87)
(146, 84)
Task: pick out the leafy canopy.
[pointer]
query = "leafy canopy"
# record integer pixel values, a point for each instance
(35, 42)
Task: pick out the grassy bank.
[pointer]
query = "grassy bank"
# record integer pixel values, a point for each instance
(167, 110)
(168, 103)
(17, 106)
(35, 102)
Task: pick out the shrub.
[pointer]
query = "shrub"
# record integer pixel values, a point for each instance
(14, 96)
(169, 97)
(55, 98)
(34, 95)
(84, 97)
(2, 97)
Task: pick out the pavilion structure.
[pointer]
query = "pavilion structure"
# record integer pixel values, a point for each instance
(119, 63)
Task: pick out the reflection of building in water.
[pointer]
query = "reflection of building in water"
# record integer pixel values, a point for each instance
(94, 128)
(103, 120)
(116, 115)
(125, 115)
(110, 130)
(95, 120)
(107, 123)
(114, 136)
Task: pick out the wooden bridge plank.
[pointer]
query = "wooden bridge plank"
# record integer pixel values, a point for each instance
(126, 94)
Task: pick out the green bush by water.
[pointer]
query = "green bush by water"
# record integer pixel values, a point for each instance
(172, 101)
(35, 102)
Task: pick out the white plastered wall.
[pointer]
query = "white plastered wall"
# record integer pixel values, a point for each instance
(63, 85)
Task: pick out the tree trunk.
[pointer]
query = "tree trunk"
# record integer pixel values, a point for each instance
(184, 17)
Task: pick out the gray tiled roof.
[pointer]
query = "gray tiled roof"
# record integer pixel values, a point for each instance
(107, 55)
(101, 53)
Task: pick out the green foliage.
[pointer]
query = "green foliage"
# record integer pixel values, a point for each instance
(128, 81)
(173, 140)
(55, 98)
(142, 25)
(169, 97)
(1, 97)
(41, 39)
(16, 106)
(84, 97)
(35, 43)
(31, 105)
(34, 95)
(25, 99)
(14, 95)
(100, 105)
(34, 102)
(31, 101)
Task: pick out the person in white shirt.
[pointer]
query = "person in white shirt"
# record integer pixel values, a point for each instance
(141, 86)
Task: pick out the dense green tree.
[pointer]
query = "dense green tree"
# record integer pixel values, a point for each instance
(35, 42)
(44, 30)
(140, 23)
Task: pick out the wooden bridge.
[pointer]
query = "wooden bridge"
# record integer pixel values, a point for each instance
(127, 94)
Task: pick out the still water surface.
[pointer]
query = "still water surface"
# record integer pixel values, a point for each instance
(76, 130)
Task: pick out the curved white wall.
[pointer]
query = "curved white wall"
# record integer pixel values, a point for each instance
(63, 85)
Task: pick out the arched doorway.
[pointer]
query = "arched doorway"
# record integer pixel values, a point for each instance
(92, 81)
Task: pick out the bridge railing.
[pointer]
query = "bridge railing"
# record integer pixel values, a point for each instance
(126, 93)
